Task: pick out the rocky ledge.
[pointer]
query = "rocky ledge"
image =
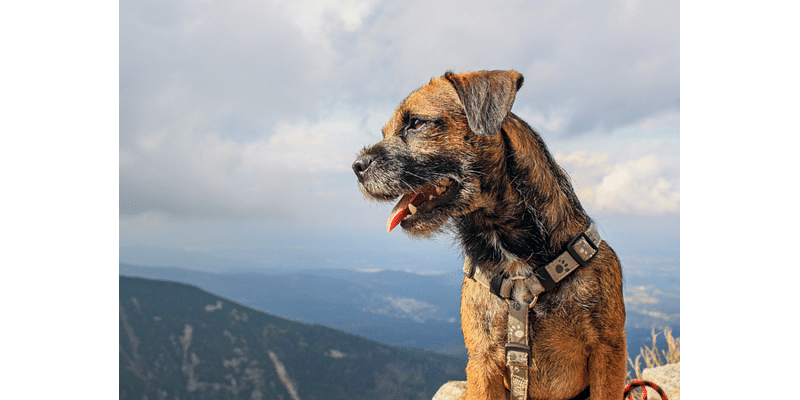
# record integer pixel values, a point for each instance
(667, 377)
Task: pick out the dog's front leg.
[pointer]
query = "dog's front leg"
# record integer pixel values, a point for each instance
(483, 324)
(607, 370)
(484, 380)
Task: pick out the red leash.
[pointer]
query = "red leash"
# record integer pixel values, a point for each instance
(628, 394)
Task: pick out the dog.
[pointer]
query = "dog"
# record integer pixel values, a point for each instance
(460, 161)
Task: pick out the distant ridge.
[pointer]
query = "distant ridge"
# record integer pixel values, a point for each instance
(180, 342)
(387, 306)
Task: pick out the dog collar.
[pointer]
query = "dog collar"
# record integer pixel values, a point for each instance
(580, 251)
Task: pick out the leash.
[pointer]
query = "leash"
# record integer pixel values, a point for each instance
(628, 393)
(580, 251)
(517, 348)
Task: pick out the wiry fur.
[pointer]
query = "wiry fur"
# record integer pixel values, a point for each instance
(512, 209)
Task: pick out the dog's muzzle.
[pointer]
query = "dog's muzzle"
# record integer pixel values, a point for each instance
(423, 198)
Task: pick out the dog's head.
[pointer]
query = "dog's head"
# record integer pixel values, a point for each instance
(433, 151)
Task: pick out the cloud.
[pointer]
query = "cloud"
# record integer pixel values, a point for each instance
(587, 67)
(256, 109)
(330, 142)
(631, 180)
(208, 177)
(314, 18)
(234, 67)
(301, 172)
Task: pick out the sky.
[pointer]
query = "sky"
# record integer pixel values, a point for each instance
(238, 121)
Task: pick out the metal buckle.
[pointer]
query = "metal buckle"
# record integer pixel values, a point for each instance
(580, 260)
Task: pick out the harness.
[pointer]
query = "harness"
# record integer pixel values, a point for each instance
(580, 251)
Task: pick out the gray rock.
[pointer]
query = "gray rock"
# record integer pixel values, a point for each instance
(667, 377)
(452, 390)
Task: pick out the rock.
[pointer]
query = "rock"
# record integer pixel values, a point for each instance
(667, 377)
(452, 390)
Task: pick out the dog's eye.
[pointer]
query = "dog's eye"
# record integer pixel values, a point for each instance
(415, 123)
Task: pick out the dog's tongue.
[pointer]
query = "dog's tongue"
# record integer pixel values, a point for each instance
(401, 210)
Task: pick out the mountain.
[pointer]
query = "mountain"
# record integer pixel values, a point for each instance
(180, 342)
(401, 308)
(393, 307)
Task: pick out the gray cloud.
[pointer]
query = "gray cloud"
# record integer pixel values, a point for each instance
(603, 64)
(233, 67)
(254, 109)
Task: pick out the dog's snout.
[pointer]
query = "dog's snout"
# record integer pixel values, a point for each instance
(361, 164)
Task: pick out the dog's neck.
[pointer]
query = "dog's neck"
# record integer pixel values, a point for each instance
(534, 210)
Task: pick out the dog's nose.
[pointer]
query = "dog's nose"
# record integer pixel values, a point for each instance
(361, 164)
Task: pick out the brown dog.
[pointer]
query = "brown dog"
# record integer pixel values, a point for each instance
(458, 158)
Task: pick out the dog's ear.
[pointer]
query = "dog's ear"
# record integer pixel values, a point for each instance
(487, 97)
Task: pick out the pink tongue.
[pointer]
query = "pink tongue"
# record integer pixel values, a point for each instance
(399, 211)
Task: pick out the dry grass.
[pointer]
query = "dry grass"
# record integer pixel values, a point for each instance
(650, 357)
